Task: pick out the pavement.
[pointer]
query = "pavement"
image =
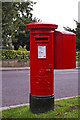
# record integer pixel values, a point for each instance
(22, 68)
(14, 68)
(18, 68)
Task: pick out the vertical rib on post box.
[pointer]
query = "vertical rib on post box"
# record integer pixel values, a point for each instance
(41, 66)
(64, 50)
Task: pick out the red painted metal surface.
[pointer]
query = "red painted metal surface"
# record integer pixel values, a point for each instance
(41, 58)
(41, 25)
(37, 27)
(49, 50)
(64, 50)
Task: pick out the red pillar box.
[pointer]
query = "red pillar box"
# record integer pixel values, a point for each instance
(41, 66)
(64, 50)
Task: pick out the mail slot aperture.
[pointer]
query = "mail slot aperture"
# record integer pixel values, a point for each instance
(41, 38)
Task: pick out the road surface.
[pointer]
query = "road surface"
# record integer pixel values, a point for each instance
(15, 85)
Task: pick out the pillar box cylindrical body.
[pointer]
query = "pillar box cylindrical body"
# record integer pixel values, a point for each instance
(41, 66)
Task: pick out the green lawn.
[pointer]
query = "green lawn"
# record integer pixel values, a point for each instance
(66, 108)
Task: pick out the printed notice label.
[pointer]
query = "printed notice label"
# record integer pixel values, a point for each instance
(41, 51)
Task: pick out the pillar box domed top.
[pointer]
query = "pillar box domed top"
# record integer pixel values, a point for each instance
(38, 27)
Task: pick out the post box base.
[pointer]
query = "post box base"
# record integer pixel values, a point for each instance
(41, 104)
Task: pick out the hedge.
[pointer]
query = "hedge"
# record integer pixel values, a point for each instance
(5, 47)
(21, 54)
(14, 54)
(78, 55)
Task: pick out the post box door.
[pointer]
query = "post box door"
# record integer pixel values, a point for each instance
(42, 64)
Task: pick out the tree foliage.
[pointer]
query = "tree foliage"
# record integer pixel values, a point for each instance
(77, 32)
(15, 15)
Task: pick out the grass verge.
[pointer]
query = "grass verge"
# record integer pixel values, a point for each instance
(65, 108)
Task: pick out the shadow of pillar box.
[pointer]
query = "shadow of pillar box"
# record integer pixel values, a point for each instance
(49, 50)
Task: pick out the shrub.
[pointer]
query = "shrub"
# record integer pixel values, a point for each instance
(78, 55)
(14, 54)
(5, 47)
(22, 49)
(8, 54)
